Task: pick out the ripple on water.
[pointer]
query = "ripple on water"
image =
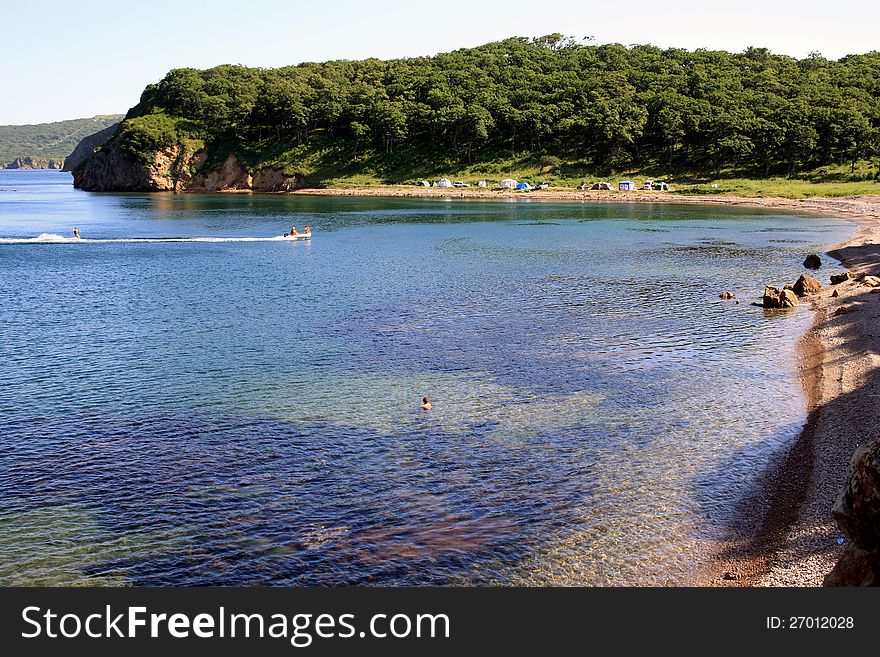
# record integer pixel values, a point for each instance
(246, 412)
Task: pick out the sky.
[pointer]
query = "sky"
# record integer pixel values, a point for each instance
(65, 60)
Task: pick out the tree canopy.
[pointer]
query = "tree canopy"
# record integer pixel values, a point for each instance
(554, 97)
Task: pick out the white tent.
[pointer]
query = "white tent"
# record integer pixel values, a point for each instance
(508, 183)
(444, 182)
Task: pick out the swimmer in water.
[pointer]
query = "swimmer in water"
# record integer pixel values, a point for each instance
(76, 232)
(426, 404)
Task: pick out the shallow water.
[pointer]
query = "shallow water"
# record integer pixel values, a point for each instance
(186, 400)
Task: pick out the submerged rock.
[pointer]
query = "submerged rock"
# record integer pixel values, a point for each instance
(776, 298)
(857, 513)
(840, 278)
(727, 295)
(806, 285)
(812, 261)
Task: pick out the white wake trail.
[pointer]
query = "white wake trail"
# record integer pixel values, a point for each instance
(52, 238)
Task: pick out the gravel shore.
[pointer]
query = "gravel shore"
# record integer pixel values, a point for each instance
(786, 535)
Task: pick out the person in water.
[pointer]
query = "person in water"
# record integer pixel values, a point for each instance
(76, 232)
(308, 230)
(426, 404)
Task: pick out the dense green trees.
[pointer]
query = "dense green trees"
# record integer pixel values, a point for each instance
(607, 106)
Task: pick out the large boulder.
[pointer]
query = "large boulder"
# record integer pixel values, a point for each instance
(812, 261)
(840, 278)
(857, 513)
(806, 285)
(776, 298)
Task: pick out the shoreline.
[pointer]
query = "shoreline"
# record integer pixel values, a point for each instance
(851, 207)
(783, 533)
(793, 539)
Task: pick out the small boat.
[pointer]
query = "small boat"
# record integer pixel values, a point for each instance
(298, 236)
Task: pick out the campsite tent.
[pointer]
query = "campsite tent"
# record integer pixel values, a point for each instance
(601, 185)
(523, 186)
(444, 182)
(626, 185)
(508, 183)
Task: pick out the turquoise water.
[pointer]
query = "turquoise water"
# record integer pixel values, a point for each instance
(217, 411)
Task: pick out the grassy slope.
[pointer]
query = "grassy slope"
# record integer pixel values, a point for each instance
(49, 140)
(333, 167)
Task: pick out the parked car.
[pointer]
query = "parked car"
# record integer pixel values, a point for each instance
(458, 183)
(583, 186)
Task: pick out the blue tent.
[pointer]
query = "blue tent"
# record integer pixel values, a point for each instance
(626, 185)
(523, 186)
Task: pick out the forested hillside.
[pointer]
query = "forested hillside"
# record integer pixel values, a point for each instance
(552, 101)
(45, 141)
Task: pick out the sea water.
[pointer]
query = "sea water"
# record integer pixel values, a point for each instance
(186, 399)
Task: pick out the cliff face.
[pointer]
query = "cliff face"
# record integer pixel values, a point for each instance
(857, 512)
(88, 144)
(35, 163)
(175, 169)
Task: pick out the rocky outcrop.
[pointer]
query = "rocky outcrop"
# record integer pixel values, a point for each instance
(175, 169)
(776, 298)
(857, 513)
(806, 285)
(114, 170)
(87, 145)
(812, 261)
(35, 163)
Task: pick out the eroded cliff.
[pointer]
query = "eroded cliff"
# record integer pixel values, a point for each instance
(175, 169)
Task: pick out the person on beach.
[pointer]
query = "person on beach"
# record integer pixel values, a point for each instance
(426, 404)
(76, 232)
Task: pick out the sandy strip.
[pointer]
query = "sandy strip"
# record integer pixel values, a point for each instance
(858, 207)
(784, 534)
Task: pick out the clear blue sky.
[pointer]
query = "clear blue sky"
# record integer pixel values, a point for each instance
(68, 59)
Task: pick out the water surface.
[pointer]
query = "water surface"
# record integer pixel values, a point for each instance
(221, 408)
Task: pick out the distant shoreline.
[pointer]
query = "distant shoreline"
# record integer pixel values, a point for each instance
(857, 207)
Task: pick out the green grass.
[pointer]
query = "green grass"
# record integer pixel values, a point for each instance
(781, 187)
(328, 165)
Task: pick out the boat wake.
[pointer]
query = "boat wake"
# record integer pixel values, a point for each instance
(52, 238)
